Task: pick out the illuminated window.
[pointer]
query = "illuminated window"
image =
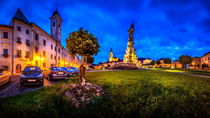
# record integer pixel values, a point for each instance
(27, 54)
(44, 64)
(44, 53)
(19, 53)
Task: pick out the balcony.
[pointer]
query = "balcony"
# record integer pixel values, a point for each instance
(5, 55)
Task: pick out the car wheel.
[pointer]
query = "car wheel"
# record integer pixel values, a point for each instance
(48, 77)
(21, 84)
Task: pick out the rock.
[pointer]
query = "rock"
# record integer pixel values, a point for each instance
(73, 86)
(78, 92)
(82, 93)
(97, 94)
(69, 94)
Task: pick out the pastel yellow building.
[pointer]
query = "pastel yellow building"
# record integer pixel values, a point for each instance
(23, 43)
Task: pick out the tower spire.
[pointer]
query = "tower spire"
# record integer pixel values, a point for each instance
(56, 24)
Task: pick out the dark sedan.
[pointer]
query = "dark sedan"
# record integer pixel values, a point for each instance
(54, 73)
(32, 75)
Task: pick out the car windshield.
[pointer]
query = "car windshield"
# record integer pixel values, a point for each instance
(32, 69)
(73, 68)
(55, 68)
(64, 68)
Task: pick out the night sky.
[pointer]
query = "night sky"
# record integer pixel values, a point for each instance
(163, 28)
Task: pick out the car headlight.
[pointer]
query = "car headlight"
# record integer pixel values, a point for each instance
(23, 76)
(40, 75)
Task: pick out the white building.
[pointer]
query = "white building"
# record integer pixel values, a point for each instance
(23, 43)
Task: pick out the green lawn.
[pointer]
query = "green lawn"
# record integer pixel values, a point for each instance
(198, 72)
(139, 93)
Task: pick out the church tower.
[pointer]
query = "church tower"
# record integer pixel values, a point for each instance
(56, 25)
(111, 55)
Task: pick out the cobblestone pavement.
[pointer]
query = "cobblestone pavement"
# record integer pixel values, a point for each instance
(13, 87)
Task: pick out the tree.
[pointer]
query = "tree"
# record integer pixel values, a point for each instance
(82, 43)
(152, 62)
(158, 62)
(90, 59)
(167, 61)
(184, 60)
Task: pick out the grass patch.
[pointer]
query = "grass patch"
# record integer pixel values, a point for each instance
(136, 93)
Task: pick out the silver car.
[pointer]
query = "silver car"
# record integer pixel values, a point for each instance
(5, 76)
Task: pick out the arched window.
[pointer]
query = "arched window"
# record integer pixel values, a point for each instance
(18, 68)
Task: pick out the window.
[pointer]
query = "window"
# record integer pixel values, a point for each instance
(55, 48)
(44, 53)
(19, 53)
(19, 40)
(59, 25)
(5, 53)
(36, 63)
(36, 49)
(55, 57)
(5, 35)
(58, 57)
(36, 37)
(44, 64)
(19, 28)
(44, 42)
(27, 31)
(53, 24)
(59, 50)
(51, 56)
(18, 68)
(27, 42)
(51, 46)
(27, 54)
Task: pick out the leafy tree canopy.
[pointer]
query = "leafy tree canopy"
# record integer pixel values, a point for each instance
(82, 43)
(90, 59)
(152, 62)
(158, 62)
(167, 61)
(185, 59)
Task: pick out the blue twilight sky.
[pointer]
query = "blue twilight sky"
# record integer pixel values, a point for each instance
(163, 28)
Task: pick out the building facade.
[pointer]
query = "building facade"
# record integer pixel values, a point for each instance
(23, 43)
(205, 61)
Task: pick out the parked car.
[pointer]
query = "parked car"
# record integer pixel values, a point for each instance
(5, 76)
(32, 75)
(75, 70)
(69, 72)
(55, 73)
